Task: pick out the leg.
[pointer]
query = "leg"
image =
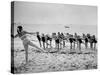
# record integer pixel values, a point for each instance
(55, 44)
(58, 46)
(63, 43)
(94, 46)
(40, 43)
(74, 44)
(31, 44)
(43, 45)
(70, 45)
(79, 46)
(47, 44)
(26, 52)
(50, 43)
(91, 45)
(86, 45)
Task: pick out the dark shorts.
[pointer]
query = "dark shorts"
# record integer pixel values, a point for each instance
(94, 41)
(50, 39)
(43, 39)
(86, 40)
(57, 41)
(38, 37)
(80, 41)
(70, 40)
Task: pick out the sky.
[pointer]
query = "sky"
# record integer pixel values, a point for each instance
(51, 17)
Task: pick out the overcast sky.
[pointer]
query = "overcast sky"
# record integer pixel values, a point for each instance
(47, 13)
(46, 16)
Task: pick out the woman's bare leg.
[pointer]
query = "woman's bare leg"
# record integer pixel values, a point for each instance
(86, 45)
(40, 43)
(94, 46)
(33, 45)
(74, 44)
(26, 52)
(70, 45)
(44, 45)
(63, 43)
(50, 44)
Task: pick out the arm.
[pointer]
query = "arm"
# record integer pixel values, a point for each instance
(32, 33)
(12, 36)
(16, 36)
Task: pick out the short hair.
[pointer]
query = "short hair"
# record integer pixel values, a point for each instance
(20, 27)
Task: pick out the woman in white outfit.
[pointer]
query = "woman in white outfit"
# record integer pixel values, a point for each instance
(26, 42)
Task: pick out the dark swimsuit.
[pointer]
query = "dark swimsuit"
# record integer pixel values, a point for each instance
(74, 39)
(94, 41)
(80, 41)
(48, 38)
(86, 40)
(43, 39)
(70, 40)
(38, 37)
(57, 40)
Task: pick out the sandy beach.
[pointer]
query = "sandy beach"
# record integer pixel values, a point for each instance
(64, 60)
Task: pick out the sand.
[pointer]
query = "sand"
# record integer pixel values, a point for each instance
(64, 60)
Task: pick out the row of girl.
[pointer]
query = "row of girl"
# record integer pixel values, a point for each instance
(62, 39)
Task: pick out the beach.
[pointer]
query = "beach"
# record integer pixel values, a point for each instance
(64, 60)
